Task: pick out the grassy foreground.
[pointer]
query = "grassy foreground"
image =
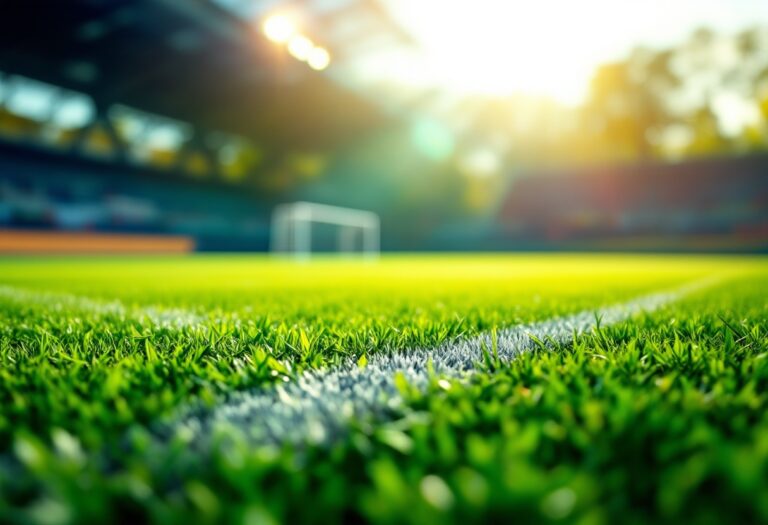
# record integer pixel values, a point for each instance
(656, 419)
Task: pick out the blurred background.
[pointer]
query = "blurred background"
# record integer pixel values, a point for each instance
(179, 125)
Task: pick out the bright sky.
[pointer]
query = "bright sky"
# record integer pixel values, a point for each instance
(543, 47)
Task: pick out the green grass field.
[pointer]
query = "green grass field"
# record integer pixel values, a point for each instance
(658, 418)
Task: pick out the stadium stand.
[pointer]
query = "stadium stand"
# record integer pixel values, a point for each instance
(175, 118)
(709, 204)
(54, 192)
(158, 117)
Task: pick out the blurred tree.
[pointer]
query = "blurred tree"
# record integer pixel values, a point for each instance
(706, 135)
(748, 42)
(634, 103)
(626, 105)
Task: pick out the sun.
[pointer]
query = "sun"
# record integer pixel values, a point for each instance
(500, 47)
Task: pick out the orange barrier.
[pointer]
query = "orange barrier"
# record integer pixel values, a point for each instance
(49, 242)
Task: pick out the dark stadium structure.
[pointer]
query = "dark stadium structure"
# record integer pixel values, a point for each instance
(184, 59)
(241, 129)
(700, 205)
(188, 64)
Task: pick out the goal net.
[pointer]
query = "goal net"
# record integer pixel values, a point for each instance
(300, 229)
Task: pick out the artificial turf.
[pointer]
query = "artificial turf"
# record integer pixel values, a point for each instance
(655, 419)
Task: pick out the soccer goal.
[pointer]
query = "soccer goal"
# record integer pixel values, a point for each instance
(300, 229)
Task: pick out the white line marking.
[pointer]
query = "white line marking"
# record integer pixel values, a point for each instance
(174, 318)
(318, 407)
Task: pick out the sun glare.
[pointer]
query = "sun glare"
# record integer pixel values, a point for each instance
(278, 28)
(300, 47)
(318, 58)
(546, 47)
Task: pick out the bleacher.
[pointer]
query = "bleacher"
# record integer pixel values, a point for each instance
(719, 204)
(51, 192)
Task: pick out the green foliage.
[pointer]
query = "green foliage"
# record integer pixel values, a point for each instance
(658, 419)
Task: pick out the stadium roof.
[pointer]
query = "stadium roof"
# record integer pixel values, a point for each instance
(186, 59)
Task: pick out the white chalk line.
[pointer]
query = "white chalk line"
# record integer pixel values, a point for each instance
(318, 407)
(171, 318)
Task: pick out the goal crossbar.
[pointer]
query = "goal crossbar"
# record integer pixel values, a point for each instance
(292, 228)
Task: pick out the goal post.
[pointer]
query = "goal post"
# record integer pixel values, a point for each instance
(292, 229)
